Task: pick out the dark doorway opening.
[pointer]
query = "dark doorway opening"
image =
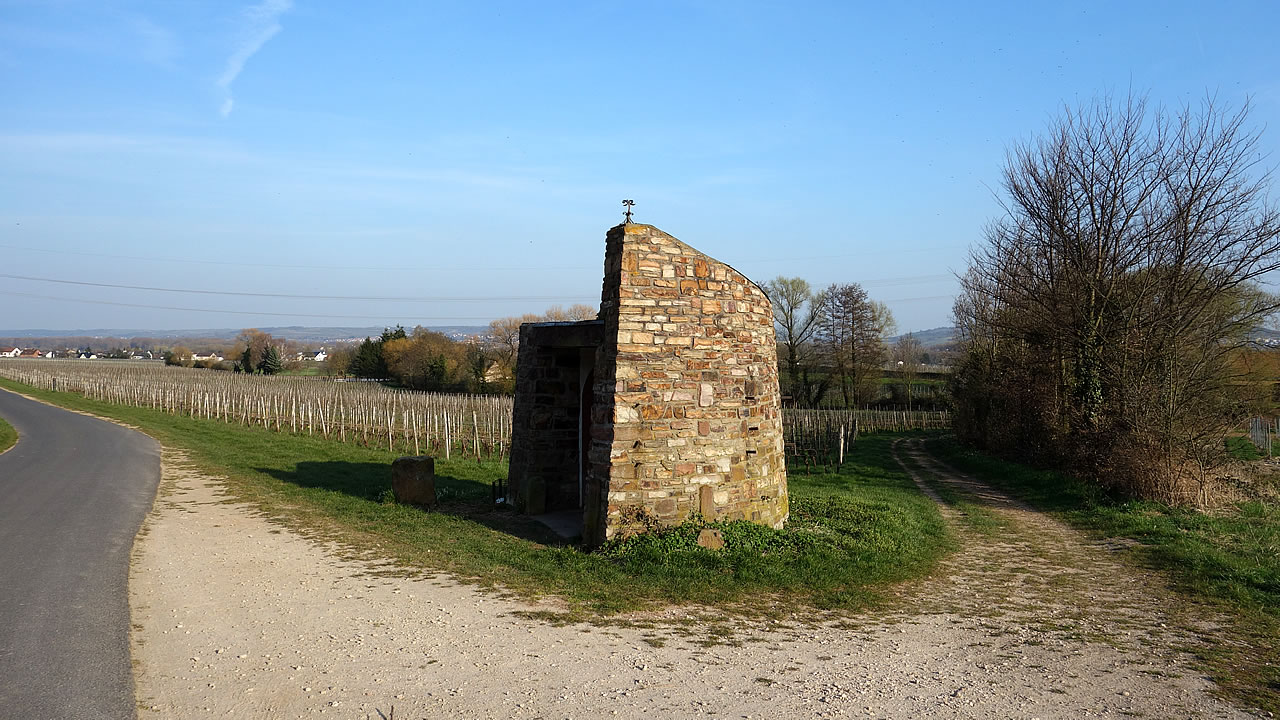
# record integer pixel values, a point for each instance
(550, 466)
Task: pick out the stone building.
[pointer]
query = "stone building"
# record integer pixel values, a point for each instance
(664, 406)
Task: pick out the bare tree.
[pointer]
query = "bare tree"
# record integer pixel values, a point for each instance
(1119, 286)
(906, 354)
(251, 347)
(338, 360)
(179, 355)
(504, 337)
(575, 313)
(850, 335)
(796, 311)
(504, 333)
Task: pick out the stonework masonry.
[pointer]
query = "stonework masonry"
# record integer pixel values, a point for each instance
(678, 404)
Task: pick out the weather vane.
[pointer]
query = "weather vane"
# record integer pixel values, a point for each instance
(628, 204)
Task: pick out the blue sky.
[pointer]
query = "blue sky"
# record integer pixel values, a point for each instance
(470, 156)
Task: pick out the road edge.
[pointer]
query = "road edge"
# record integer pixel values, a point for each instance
(138, 536)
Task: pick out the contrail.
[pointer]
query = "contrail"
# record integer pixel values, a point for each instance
(261, 24)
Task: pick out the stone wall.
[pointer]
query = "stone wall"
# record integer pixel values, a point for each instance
(687, 415)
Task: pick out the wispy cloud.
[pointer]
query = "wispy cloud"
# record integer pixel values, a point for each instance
(105, 34)
(261, 23)
(158, 45)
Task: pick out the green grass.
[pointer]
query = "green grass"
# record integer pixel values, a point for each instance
(896, 380)
(8, 436)
(852, 531)
(1227, 561)
(972, 512)
(310, 369)
(1241, 447)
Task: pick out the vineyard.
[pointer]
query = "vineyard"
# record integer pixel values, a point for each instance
(815, 438)
(360, 412)
(370, 414)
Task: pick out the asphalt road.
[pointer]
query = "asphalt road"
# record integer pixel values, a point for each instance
(73, 493)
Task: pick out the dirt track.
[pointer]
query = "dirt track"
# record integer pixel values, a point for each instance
(234, 617)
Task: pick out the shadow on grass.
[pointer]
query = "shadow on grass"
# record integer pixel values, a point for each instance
(459, 497)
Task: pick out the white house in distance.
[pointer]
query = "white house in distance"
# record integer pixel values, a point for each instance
(10, 351)
(313, 356)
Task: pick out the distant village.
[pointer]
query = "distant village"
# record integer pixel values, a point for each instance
(204, 349)
(133, 354)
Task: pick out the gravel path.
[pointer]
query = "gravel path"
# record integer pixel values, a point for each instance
(237, 617)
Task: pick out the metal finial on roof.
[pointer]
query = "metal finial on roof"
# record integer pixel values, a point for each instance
(628, 204)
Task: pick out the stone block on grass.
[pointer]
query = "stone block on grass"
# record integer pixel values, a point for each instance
(711, 539)
(413, 480)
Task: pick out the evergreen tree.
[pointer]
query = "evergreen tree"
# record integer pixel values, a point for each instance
(437, 373)
(271, 363)
(389, 334)
(367, 360)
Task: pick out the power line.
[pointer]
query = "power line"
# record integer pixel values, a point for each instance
(477, 268)
(909, 280)
(884, 282)
(229, 263)
(379, 318)
(896, 249)
(233, 293)
(921, 299)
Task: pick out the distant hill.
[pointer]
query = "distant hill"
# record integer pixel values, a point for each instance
(312, 335)
(932, 339)
(1266, 336)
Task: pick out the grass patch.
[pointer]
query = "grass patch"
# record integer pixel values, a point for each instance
(971, 512)
(850, 531)
(1227, 561)
(853, 530)
(310, 369)
(8, 436)
(1241, 447)
(978, 517)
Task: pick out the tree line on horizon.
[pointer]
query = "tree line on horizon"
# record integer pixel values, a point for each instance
(831, 345)
(418, 359)
(423, 359)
